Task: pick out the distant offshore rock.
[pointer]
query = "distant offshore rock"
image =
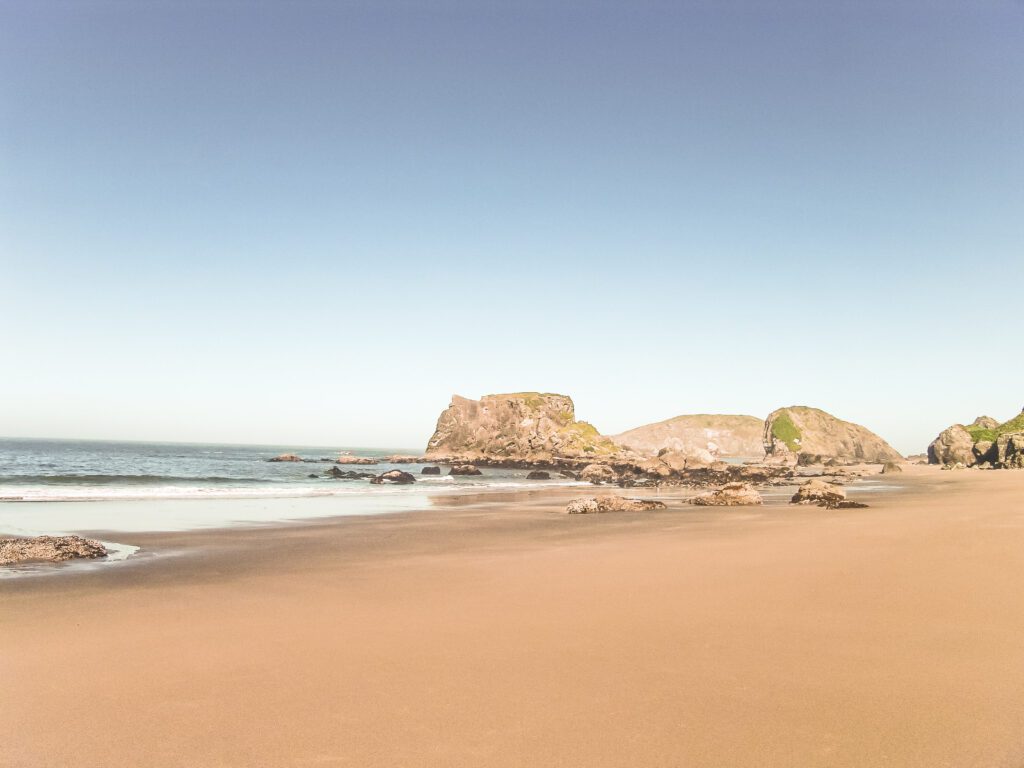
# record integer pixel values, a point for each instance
(523, 426)
(702, 435)
(50, 549)
(289, 457)
(355, 460)
(814, 436)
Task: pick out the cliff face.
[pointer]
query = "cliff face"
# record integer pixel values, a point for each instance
(810, 433)
(698, 435)
(523, 426)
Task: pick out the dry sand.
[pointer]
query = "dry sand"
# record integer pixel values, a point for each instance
(492, 632)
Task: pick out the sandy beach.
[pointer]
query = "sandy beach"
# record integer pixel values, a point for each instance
(489, 630)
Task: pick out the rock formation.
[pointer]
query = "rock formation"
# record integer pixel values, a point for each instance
(286, 457)
(464, 469)
(539, 474)
(596, 504)
(984, 443)
(430, 471)
(354, 460)
(704, 435)
(730, 495)
(527, 426)
(52, 549)
(396, 476)
(814, 436)
(824, 494)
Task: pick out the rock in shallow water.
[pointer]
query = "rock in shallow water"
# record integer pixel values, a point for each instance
(464, 469)
(538, 474)
(53, 549)
(396, 476)
(430, 471)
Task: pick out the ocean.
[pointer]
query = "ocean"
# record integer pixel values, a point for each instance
(86, 470)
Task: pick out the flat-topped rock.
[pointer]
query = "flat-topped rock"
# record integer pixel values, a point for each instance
(50, 549)
(523, 426)
(366, 460)
(286, 457)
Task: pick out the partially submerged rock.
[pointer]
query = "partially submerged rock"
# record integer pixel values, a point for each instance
(598, 504)
(539, 474)
(396, 476)
(51, 549)
(286, 457)
(355, 460)
(464, 469)
(430, 471)
(351, 474)
(730, 495)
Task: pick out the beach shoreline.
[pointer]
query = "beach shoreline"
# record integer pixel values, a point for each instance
(496, 630)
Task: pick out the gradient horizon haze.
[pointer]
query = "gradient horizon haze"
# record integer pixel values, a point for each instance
(311, 223)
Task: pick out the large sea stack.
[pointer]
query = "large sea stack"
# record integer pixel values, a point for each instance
(811, 435)
(707, 436)
(525, 426)
(984, 442)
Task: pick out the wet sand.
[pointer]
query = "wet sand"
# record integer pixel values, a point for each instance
(491, 631)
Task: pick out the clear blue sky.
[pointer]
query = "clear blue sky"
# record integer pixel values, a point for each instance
(314, 222)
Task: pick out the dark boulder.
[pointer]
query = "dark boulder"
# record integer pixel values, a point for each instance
(430, 471)
(538, 474)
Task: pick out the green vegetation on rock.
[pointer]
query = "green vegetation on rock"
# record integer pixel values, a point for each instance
(785, 430)
(978, 434)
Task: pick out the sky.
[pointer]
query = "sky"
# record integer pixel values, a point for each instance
(312, 223)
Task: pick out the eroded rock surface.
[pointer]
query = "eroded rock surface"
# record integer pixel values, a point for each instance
(525, 426)
(599, 504)
(730, 495)
(814, 436)
(52, 549)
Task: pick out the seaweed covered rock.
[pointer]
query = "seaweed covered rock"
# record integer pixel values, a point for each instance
(597, 504)
(51, 549)
(730, 495)
(525, 426)
(817, 436)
